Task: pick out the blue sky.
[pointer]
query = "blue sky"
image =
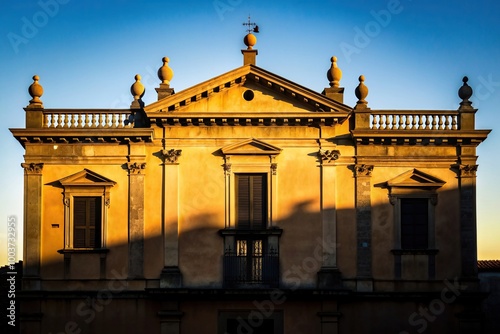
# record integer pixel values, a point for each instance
(412, 53)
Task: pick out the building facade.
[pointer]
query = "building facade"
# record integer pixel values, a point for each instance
(250, 204)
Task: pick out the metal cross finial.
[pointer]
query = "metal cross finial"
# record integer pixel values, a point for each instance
(251, 26)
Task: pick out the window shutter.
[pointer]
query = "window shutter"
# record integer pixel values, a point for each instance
(258, 214)
(79, 222)
(243, 202)
(86, 222)
(251, 198)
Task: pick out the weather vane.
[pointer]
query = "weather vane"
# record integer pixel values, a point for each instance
(251, 26)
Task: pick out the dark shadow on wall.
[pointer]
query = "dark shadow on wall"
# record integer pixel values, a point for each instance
(76, 306)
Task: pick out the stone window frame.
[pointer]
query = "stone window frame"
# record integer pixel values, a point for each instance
(84, 191)
(74, 187)
(431, 218)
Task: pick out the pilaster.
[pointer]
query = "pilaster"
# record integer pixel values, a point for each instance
(32, 224)
(171, 276)
(468, 235)
(364, 227)
(329, 275)
(136, 219)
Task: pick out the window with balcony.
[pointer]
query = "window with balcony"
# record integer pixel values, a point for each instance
(251, 242)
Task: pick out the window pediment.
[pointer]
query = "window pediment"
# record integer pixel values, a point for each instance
(86, 177)
(415, 179)
(251, 146)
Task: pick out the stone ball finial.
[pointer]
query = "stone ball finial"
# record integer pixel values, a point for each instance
(361, 91)
(250, 40)
(137, 89)
(165, 73)
(465, 92)
(36, 91)
(334, 74)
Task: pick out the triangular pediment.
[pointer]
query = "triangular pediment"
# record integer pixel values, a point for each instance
(250, 146)
(86, 177)
(415, 178)
(228, 94)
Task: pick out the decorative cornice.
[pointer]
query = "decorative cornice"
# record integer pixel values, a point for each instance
(363, 170)
(136, 167)
(468, 170)
(328, 155)
(171, 156)
(32, 168)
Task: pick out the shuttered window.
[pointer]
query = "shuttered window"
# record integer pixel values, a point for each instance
(87, 222)
(251, 201)
(414, 223)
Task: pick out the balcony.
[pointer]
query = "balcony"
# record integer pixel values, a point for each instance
(251, 270)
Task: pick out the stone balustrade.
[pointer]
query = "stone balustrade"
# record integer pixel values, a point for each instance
(414, 120)
(86, 119)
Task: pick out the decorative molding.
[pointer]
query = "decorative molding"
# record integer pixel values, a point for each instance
(66, 200)
(227, 165)
(32, 168)
(468, 170)
(328, 155)
(363, 170)
(274, 168)
(434, 199)
(136, 167)
(107, 201)
(171, 156)
(393, 199)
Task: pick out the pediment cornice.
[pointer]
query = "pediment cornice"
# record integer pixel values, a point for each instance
(250, 146)
(415, 178)
(312, 101)
(86, 177)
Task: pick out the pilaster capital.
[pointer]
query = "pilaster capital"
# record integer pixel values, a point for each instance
(32, 168)
(467, 170)
(363, 170)
(136, 167)
(328, 155)
(171, 156)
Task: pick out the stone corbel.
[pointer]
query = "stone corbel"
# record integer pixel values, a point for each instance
(434, 199)
(32, 168)
(170, 156)
(227, 166)
(274, 168)
(363, 170)
(393, 199)
(136, 167)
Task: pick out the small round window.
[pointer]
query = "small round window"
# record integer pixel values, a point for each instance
(248, 95)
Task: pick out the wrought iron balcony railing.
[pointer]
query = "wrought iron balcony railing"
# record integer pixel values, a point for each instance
(251, 271)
